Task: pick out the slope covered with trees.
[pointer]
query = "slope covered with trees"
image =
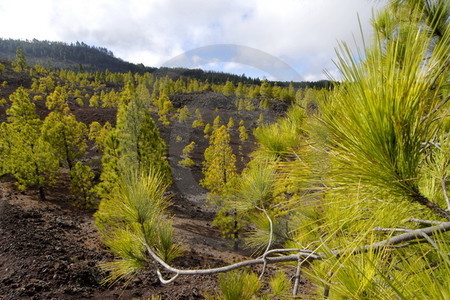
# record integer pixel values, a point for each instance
(361, 195)
(343, 188)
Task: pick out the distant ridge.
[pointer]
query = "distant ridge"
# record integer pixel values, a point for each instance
(80, 56)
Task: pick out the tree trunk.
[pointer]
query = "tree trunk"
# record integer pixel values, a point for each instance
(41, 193)
(236, 233)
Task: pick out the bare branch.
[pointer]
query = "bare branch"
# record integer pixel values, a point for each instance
(306, 255)
(428, 222)
(297, 277)
(163, 281)
(444, 189)
(270, 240)
(391, 229)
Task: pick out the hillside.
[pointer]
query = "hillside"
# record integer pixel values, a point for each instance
(51, 248)
(80, 56)
(136, 185)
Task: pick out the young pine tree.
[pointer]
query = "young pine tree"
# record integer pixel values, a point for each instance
(219, 167)
(81, 184)
(30, 158)
(66, 135)
(140, 143)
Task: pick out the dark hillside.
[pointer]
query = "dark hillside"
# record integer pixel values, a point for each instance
(68, 56)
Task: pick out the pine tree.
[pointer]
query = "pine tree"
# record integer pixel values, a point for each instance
(5, 147)
(228, 88)
(57, 100)
(20, 64)
(99, 133)
(198, 122)
(81, 184)
(207, 129)
(243, 135)
(31, 159)
(266, 90)
(187, 161)
(240, 90)
(94, 101)
(183, 114)
(216, 122)
(111, 169)
(66, 135)
(140, 143)
(219, 167)
(230, 123)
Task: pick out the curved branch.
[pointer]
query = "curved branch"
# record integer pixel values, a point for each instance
(305, 254)
(164, 281)
(270, 240)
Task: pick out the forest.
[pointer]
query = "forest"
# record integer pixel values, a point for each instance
(336, 190)
(82, 57)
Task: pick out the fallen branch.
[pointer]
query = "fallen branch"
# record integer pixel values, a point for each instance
(306, 255)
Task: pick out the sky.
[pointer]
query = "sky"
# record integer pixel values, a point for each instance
(279, 40)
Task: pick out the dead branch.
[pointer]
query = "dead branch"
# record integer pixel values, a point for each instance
(306, 255)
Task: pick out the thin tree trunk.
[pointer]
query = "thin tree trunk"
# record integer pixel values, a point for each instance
(236, 233)
(41, 193)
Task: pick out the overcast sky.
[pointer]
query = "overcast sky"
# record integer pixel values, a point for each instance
(294, 36)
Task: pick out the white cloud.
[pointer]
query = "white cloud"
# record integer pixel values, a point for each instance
(302, 33)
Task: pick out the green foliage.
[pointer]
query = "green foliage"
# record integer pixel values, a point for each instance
(228, 88)
(132, 216)
(20, 64)
(164, 106)
(81, 184)
(140, 144)
(281, 137)
(198, 122)
(28, 156)
(384, 112)
(280, 285)
(110, 165)
(207, 129)
(219, 167)
(94, 101)
(243, 135)
(239, 285)
(188, 149)
(230, 123)
(183, 114)
(187, 162)
(22, 110)
(66, 135)
(266, 90)
(99, 133)
(216, 122)
(57, 100)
